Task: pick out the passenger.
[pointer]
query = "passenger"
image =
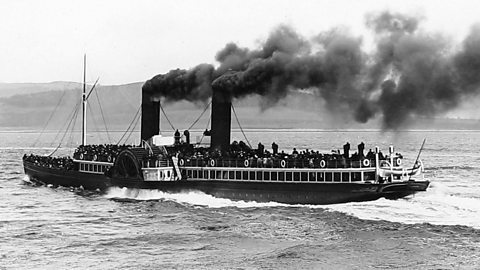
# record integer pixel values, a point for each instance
(275, 148)
(186, 133)
(177, 137)
(260, 149)
(361, 148)
(380, 155)
(370, 154)
(346, 150)
(294, 151)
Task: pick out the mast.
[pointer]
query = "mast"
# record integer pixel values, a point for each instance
(160, 116)
(84, 102)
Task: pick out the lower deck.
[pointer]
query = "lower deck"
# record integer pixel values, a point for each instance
(278, 175)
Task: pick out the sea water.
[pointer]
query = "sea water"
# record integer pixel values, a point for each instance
(63, 228)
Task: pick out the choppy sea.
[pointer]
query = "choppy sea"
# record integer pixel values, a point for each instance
(61, 228)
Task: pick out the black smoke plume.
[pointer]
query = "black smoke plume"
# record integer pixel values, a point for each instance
(411, 73)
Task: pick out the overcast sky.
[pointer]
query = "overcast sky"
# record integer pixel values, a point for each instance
(131, 41)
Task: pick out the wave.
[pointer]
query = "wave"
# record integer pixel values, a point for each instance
(436, 206)
(466, 168)
(195, 198)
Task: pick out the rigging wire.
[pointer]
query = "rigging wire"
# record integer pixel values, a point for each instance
(63, 126)
(92, 114)
(77, 113)
(133, 120)
(168, 120)
(70, 140)
(103, 116)
(204, 110)
(66, 130)
(133, 129)
(49, 118)
(241, 129)
(203, 134)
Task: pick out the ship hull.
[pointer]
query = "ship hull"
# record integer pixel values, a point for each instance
(66, 178)
(283, 192)
(259, 191)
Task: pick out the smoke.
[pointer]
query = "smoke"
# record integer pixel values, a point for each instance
(410, 73)
(179, 84)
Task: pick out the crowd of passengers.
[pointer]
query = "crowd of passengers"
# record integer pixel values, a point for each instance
(100, 152)
(239, 152)
(65, 163)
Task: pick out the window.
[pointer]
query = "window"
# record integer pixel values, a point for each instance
(245, 175)
(311, 176)
(329, 176)
(288, 176)
(320, 176)
(205, 174)
(259, 176)
(231, 175)
(212, 175)
(252, 176)
(274, 176)
(336, 177)
(304, 176)
(296, 176)
(266, 176)
(281, 176)
(238, 175)
(195, 174)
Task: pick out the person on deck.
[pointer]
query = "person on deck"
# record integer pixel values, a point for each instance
(346, 150)
(261, 149)
(361, 148)
(186, 133)
(274, 148)
(177, 137)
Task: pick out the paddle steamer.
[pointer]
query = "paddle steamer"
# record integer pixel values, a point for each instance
(225, 170)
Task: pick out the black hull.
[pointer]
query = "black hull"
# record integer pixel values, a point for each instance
(289, 193)
(65, 178)
(282, 192)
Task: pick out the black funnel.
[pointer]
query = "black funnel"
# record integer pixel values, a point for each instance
(221, 119)
(150, 114)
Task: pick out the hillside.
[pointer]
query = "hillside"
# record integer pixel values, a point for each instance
(10, 89)
(33, 108)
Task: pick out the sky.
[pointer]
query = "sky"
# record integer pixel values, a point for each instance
(131, 41)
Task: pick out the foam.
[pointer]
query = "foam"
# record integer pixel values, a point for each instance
(435, 206)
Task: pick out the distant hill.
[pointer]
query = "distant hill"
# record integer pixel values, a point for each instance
(32, 105)
(10, 89)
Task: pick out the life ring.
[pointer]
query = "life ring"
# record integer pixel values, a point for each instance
(246, 163)
(81, 156)
(181, 162)
(399, 162)
(109, 158)
(212, 163)
(283, 163)
(322, 163)
(95, 157)
(366, 163)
